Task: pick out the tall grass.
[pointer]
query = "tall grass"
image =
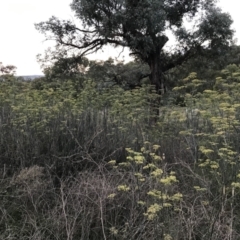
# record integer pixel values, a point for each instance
(97, 163)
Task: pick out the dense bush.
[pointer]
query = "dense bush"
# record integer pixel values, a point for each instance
(97, 163)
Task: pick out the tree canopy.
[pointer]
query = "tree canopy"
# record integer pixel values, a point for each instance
(7, 69)
(145, 27)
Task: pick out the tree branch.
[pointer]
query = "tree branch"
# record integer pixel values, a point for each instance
(181, 59)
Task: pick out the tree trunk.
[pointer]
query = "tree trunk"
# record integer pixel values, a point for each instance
(156, 79)
(156, 76)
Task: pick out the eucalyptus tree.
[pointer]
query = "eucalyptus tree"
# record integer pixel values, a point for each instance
(145, 27)
(68, 67)
(7, 69)
(110, 73)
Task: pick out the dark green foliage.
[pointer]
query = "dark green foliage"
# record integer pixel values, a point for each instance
(207, 66)
(63, 68)
(128, 76)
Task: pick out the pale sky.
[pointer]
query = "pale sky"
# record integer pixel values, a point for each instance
(20, 42)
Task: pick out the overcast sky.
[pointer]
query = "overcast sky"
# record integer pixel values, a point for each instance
(20, 42)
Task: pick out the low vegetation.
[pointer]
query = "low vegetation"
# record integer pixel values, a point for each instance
(94, 162)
